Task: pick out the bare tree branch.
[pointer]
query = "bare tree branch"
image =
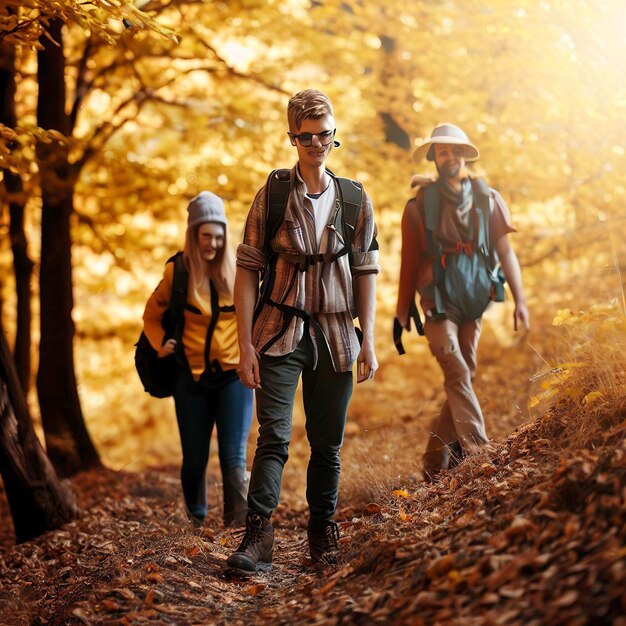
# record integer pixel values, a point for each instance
(82, 86)
(104, 131)
(104, 242)
(237, 74)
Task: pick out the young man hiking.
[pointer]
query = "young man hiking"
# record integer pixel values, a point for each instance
(453, 232)
(309, 234)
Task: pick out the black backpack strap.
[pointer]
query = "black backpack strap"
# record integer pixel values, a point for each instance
(215, 314)
(178, 301)
(351, 192)
(351, 197)
(277, 189)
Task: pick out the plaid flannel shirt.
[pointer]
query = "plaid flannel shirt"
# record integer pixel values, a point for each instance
(323, 290)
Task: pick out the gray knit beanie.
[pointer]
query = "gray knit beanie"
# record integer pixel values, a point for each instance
(206, 207)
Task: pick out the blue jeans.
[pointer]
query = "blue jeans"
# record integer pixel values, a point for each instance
(229, 407)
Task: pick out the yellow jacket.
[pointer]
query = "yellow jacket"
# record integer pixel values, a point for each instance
(223, 349)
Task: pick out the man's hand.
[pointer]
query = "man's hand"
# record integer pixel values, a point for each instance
(521, 316)
(366, 363)
(167, 348)
(248, 368)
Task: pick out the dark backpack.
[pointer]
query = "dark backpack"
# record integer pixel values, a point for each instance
(159, 376)
(279, 185)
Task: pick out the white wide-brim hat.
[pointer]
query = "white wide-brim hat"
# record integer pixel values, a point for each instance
(447, 133)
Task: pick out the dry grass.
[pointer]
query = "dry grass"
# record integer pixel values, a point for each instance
(588, 385)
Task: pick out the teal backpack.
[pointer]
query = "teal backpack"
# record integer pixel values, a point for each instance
(465, 274)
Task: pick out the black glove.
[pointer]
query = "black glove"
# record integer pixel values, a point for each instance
(398, 328)
(397, 336)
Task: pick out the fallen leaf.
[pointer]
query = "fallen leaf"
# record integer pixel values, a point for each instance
(255, 590)
(110, 605)
(400, 493)
(520, 526)
(155, 577)
(441, 567)
(465, 519)
(567, 599)
(371, 509)
(192, 551)
(125, 593)
(151, 567)
(327, 587)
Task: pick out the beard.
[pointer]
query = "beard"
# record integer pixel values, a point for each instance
(448, 170)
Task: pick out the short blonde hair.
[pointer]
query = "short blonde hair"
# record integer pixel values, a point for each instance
(309, 104)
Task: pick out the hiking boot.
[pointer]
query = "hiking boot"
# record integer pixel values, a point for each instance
(254, 553)
(235, 496)
(323, 542)
(434, 462)
(196, 521)
(456, 454)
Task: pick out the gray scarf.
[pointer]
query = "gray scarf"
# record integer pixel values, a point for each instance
(462, 200)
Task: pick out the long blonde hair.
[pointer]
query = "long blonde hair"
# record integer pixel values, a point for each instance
(220, 271)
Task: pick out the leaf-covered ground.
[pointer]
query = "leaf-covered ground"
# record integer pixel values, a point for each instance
(531, 532)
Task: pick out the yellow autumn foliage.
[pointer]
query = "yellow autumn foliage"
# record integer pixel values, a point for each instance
(591, 379)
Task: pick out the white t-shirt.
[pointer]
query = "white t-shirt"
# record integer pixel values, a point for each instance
(322, 208)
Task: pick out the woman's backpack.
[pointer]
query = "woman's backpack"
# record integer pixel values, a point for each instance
(160, 375)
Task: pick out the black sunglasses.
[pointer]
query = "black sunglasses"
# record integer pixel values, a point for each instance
(306, 139)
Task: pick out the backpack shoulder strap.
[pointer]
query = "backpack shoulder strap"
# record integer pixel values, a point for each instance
(278, 187)
(351, 192)
(432, 204)
(481, 193)
(178, 299)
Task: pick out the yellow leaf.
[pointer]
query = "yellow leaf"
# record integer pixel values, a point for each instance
(592, 396)
(400, 493)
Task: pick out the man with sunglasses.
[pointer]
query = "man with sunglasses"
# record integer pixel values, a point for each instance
(303, 326)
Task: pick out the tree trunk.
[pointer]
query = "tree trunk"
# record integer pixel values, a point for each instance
(38, 501)
(67, 441)
(19, 244)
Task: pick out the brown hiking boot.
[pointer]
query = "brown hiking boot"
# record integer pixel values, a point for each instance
(456, 454)
(323, 542)
(254, 553)
(434, 462)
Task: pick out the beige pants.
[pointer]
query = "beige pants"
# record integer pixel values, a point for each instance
(461, 419)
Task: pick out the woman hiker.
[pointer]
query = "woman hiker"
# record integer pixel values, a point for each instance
(208, 391)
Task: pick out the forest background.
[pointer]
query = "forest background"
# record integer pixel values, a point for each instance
(194, 98)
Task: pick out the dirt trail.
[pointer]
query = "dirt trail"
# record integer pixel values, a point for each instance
(526, 533)
(133, 558)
